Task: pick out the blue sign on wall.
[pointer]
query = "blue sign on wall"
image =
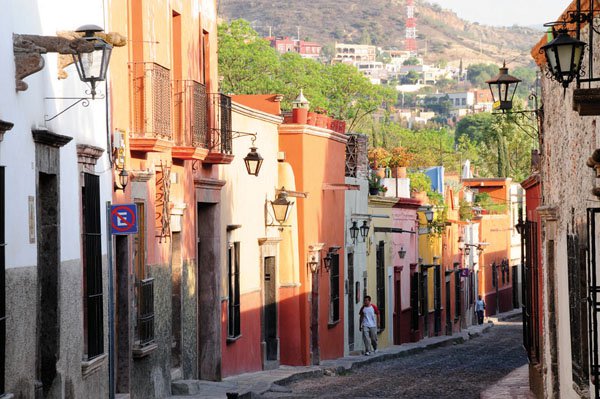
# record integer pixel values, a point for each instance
(123, 219)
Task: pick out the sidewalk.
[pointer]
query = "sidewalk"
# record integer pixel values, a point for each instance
(245, 385)
(514, 386)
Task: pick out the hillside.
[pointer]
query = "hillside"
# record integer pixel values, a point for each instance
(442, 36)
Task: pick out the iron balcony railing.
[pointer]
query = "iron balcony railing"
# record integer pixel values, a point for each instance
(151, 88)
(219, 140)
(145, 323)
(190, 113)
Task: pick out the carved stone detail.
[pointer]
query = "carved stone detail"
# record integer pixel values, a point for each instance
(4, 127)
(141, 176)
(87, 156)
(28, 50)
(50, 139)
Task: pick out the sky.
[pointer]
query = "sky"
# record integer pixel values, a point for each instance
(506, 12)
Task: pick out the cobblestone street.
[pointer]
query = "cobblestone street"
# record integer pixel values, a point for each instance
(455, 371)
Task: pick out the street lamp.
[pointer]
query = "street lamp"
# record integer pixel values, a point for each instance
(564, 55)
(281, 206)
(253, 161)
(354, 231)
(502, 89)
(402, 253)
(429, 215)
(92, 66)
(364, 230)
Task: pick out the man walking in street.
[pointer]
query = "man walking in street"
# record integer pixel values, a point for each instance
(479, 308)
(369, 322)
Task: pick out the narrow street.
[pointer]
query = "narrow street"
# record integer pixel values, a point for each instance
(457, 371)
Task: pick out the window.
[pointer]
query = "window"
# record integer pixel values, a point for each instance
(92, 267)
(381, 283)
(144, 332)
(457, 307)
(414, 301)
(233, 262)
(576, 256)
(494, 275)
(334, 289)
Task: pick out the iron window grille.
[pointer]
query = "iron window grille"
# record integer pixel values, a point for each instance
(457, 301)
(152, 100)
(92, 264)
(145, 323)
(190, 113)
(381, 283)
(234, 325)
(334, 291)
(221, 135)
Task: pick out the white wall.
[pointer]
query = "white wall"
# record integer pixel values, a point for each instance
(27, 110)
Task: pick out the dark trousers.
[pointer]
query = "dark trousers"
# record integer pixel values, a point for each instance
(480, 316)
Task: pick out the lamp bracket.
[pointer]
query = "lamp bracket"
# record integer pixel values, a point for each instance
(85, 102)
(295, 194)
(391, 230)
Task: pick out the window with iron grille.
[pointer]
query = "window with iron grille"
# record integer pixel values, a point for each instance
(457, 307)
(144, 331)
(381, 283)
(414, 301)
(334, 291)
(577, 310)
(233, 260)
(92, 266)
(423, 286)
(2, 286)
(494, 275)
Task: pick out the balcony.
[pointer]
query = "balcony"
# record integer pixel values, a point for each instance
(190, 120)
(219, 140)
(151, 88)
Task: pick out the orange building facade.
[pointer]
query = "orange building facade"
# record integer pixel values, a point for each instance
(169, 130)
(316, 331)
(495, 275)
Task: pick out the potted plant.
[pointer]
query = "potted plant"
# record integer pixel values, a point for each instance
(378, 159)
(375, 185)
(399, 159)
(420, 183)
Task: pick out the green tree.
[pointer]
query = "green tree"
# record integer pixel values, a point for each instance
(411, 61)
(477, 74)
(247, 62)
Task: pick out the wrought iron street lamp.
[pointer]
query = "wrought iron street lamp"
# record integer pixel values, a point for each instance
(503, 87)
(281, 206)
(402, 253)
(92, 66)
(429, 215)
(253, 161)
(364, 230)
(354, 231)
(564, 55)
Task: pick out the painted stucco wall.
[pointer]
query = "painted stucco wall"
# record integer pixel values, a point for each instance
(28, 110)
(317, 156)
(244, 204)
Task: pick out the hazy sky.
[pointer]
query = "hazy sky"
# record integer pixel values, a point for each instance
(506, 12)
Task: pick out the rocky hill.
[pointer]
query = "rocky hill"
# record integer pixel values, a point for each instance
(442, 36)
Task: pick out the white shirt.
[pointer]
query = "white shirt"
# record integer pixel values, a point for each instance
(369, 318)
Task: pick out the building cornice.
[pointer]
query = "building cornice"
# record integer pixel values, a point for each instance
(256, 114)
(531, 181)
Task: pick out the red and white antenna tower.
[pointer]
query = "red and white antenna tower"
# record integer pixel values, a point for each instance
(411, 27)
